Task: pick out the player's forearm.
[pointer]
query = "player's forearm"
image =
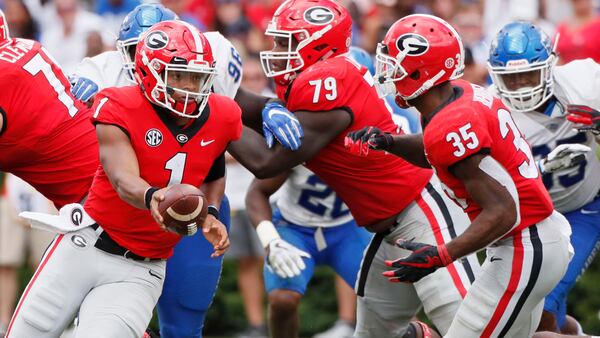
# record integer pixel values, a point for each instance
(252, 152)
(486, 228)
(214, 191)
(410, 148)
(131, 189)
(258, 206)
(252, 106)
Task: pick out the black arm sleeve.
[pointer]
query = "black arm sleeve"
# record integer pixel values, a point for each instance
(217, 170)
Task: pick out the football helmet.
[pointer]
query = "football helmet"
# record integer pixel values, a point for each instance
(418, 52)
(4, 36)
(135, 23)
(175, 67)
(521, 63)
(305, 31)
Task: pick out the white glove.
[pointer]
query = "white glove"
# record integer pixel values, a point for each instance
(285, 259)
(282, 257)
(563, 157)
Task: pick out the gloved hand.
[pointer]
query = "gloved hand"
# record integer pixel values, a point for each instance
(279, 123)
(360, 141)
(588, 117)
(285, 259)
(84, 89)
(424, 260)
(563, 157)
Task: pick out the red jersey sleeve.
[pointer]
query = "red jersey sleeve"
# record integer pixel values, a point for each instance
(106, 110)
(451, 140)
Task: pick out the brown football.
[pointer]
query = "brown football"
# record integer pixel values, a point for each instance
(184, 209)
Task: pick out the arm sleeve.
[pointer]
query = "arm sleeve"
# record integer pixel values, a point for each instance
(91, 68)
(217, 170)
(106, 111)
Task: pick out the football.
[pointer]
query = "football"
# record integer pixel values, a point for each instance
(184, 209)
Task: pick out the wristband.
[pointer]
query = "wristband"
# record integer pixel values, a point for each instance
(212, 210)
(148, 196)
(266, 233)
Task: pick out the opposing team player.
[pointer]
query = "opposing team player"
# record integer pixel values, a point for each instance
(522, 65)
(170, 130)
(330, 95)
(486, 166)
(310, 226)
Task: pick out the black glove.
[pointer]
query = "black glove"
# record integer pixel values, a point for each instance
(585, 115)
(424, 260)
(360, 141)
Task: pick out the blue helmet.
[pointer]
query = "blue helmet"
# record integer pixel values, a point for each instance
(521, 62)
(362, 57)
(136, 22)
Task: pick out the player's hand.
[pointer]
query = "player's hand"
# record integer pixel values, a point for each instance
(563, 157)
(279, 123)
(425, 259)
(215, 233)
(157, 197)
(360, 141)
(285, 259)
(587, 117)
(84, 89)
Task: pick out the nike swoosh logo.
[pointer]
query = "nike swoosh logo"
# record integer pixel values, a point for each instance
(204, 144)
(494, 258)
(589, 212)
(154, 275)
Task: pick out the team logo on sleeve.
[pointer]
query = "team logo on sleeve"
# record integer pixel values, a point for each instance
(154, 137)
(318, 15)
(157, 40)
(412, 44)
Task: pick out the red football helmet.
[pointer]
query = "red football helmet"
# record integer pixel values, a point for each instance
(305, 31)
(418, 52)
(175, 67)
(3, 28)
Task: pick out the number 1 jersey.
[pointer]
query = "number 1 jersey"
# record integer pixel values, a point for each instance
(166, 154)
(476, 122)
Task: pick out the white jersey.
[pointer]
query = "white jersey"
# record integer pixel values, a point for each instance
(305, 200)
(106, 69)
(578, 83)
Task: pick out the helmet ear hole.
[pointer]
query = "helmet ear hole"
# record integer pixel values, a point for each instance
(415, 75)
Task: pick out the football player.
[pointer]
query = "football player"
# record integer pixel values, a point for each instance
(486, 167)
(168, 131)
(522, 65)
(330, 95)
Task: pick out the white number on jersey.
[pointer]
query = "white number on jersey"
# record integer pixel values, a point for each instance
(176, 165)
(528, 168)
(330, 86)
(36, 65)
(458, 141)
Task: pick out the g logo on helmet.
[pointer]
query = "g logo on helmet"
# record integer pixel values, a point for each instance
(157, 40)
(413, 44)
(318, 15)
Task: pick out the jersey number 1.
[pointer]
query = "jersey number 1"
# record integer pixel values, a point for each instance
(176, 165)
(36, 65)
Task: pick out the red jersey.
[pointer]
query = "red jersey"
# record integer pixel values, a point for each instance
(166, 154)
(475, 122)
(578, 43)
(374, 187)
(47, 138)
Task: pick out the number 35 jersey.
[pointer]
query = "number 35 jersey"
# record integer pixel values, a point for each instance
(476, 122)
(46, 138)
(577, 82)
(166, 154)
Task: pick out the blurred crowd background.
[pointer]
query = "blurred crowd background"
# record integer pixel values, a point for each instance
(71, 30)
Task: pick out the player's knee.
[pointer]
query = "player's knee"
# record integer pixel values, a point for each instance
(284, 302)
(42, 311)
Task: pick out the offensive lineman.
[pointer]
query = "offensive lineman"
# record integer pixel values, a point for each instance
(522, 65)
(331, 95)
(486, 167)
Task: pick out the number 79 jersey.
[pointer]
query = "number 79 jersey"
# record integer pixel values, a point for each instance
(47, 138)
(475, 122)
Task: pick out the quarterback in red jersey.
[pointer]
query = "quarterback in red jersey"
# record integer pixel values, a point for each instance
(169, 130)
(331, 95)
(42, 138)
(486, 167)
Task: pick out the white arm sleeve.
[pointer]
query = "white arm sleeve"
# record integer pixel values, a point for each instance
(578, 82)
(105, 69)
(229, 65)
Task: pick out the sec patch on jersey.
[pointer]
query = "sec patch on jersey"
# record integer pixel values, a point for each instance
(184, 209)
